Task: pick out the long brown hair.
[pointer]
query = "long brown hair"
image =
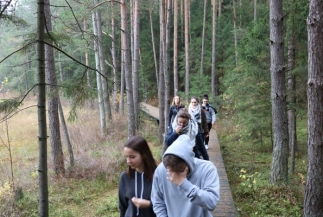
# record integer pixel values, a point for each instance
(139, 144)
(179, 100)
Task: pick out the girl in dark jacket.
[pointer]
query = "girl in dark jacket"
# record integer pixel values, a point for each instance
(175, 107)
(135, 183)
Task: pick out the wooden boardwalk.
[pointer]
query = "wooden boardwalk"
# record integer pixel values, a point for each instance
(225, 207)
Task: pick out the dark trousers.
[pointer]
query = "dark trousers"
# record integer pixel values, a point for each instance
(209, 126)
(200, 148)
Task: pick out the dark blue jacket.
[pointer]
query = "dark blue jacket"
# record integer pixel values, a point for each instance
(173, 112)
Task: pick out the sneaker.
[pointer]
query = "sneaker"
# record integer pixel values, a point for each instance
(206, 147)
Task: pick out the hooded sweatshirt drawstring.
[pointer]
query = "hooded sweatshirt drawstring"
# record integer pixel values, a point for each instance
(142, 188)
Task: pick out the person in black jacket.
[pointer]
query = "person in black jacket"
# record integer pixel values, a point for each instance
(175, 107)
(135, 183)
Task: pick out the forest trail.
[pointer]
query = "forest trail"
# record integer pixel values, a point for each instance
(225, 207)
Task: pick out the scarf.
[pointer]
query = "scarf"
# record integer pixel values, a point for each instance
(195, 112)
(191, 129)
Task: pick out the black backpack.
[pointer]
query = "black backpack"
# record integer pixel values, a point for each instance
(215, 111)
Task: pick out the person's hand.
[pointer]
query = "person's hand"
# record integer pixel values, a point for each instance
(140, 203)
(177, 177)
(206, 135)
(213, 122)
(179, 129)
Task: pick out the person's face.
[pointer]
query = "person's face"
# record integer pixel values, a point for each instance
(205, 101)
(182, 122)
(134, 159)
(176, 100)
(194, 102)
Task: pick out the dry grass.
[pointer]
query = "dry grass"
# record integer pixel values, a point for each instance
(89, 186)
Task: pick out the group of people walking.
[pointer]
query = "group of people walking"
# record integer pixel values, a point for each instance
(183, 184)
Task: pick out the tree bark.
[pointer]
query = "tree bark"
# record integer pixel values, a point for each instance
(105, 89)
(187, 50)
(279, 166)
(167, 60)
(291, 81)
(65, 131)
(63, 123)
(135, 72)
(98, 78)
(214, 88)
(161, 84)
(42, 125)
(254, 10)
(313, 198)
(235, 32)
(176, 89)
(122, 83)
(88, 77)
(125, 48)
(114, 59)
(153, 42)
(53, 116)
(203, 38)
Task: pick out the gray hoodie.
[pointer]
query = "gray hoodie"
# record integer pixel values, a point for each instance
(199, 193)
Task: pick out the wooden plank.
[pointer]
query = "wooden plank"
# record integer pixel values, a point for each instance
(226, 205)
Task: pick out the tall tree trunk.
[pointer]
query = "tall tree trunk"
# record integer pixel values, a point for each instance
(98, 77)
(53, 116)
(88, 77)
(63, 123)
(176, 89)
(235, 32)
(105, 88)
(135, 72)
(122, 83)
(161, 84)
(291, 90)
(125, 47)
(220, 8)
(182, 21)
(313, 198)
(153, 41)
(214, 87)
(187, 50)
(65, 131)
(167, 59)
(27, 70)
(114, 59)
(279, 166)
(254, 10)
(42, 125)
(203, 38)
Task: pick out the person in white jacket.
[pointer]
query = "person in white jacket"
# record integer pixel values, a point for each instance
(184, 185)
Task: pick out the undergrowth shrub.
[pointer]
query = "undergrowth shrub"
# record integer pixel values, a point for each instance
(248, 166)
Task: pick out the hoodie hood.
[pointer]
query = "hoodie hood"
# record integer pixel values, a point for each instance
(182, 148)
